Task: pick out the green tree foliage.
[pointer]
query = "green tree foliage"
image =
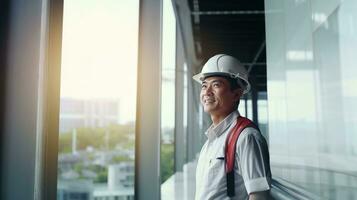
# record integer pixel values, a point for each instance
(104, 138)
(101, 171)
(119, 159)
(102, 177)
(101, 140)
(65, 142)
(167, 161)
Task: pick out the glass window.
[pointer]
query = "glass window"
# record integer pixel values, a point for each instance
(311, 67)
(167, 96)
(263, 113)
(98, 100)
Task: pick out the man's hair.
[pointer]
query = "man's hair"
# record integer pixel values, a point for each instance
(234, 84)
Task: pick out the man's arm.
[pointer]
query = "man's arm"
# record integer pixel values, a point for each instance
(253, 157)
(264, 195)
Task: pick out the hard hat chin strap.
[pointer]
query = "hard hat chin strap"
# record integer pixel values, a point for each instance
(236, 76)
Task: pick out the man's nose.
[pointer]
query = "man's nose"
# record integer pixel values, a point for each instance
(208, 90)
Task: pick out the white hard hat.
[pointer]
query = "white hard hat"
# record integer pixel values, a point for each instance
(224, 65)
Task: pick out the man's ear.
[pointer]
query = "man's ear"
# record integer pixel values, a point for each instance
(238, 93)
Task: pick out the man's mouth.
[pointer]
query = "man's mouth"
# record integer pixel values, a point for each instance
(208, 101)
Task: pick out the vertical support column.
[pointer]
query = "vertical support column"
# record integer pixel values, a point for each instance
(192, 122)
(4, 38)
(197, 121)
(246, 105)
(30, 99)
(179, 107)
(254, 100)
(49, 98)
(147, 142)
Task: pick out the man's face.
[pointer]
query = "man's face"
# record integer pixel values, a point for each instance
(217, 97)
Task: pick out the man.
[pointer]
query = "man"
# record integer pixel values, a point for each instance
(224, 80)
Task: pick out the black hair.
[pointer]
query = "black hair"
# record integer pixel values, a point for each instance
(233, 83)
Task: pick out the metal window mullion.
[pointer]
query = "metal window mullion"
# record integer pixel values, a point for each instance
(179, 105)
(147, 141)
(49, 96)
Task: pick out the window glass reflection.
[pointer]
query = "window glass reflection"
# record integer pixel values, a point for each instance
(98, 95)
(168, 96)
(311, 99)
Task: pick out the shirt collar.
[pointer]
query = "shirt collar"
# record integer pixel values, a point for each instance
(215, 131)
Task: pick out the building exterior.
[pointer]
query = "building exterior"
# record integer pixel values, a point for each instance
(75, 190)
(78, 113)
(120, 185)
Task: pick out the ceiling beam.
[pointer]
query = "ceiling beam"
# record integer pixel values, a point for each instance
(228, 12)
(260, 50)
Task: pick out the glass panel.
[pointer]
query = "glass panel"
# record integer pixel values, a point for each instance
(98, 100)
(168, 99)
(245, 106)
(263, 113)
(312, 71)
(335, 41)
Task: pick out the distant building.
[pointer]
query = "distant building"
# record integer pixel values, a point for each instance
(120, 183)
(76, 113)
(121, 175)
(103, 193)
(75, 190)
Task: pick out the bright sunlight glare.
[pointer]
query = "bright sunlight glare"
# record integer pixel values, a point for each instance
(99, 51)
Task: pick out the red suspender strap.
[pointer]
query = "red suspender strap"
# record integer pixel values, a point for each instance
(230, 150)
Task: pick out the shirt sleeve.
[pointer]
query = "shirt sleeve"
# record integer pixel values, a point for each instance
(253, 159)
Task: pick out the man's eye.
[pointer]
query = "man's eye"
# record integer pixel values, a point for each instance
(204, 86)
(216, 85)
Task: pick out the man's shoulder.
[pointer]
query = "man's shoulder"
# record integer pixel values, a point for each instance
(249, 133)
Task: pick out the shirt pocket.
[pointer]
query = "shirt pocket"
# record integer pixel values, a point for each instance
(216, 168)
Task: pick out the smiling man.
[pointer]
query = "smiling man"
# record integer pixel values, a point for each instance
(234, 161)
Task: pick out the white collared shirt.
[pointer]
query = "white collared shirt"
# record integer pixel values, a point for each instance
(251, 168)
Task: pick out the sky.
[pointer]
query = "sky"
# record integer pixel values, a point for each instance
(99, 53)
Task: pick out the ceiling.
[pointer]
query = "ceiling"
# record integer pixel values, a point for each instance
(234, 27)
